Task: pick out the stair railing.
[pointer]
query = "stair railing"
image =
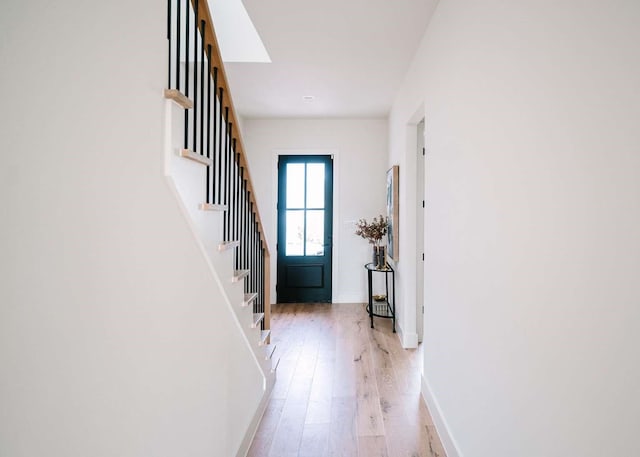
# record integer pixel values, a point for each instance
(197, 81)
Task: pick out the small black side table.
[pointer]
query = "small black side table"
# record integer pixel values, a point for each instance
(385, 308)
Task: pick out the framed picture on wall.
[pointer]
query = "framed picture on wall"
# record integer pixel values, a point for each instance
(392, 212)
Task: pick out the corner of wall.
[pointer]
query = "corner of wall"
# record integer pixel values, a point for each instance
(408, 340)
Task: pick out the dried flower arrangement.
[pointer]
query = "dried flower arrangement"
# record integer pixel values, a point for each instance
(372, 231)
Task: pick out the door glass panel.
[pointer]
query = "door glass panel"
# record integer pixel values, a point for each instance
(315, 185)
(295, 233)
(315, 233)
(295, 187)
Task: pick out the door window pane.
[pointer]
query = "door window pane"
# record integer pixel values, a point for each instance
(315, 185)
(315, 233)
(295, 186)
(295, 233)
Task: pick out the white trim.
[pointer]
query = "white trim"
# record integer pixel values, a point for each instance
(442, 428)
(407, 266)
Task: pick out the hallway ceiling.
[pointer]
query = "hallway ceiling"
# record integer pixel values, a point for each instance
(350, 55)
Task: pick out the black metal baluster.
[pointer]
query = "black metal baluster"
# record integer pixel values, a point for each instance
(229, 179)
(234, 206)
(224, 154)
(243, 216)
(186, 74)
(202, 25)
(219, 153)
(248, 235)
(255, 257)
(241, 229)
(253, 249)
(261, 301)
(210, 171)
(178, 30)
(213, 121)
(246, 225)
(260, 307)
(217, 162)
(256, 269)
(239, 182)
(243, 246)
(247, 230)
(195, 79)
(236, 198)
(241, 223)
(234, 185)
(262, 284)
(235, 173)
(239, 237)
(169, 6)
(251, 246)
(228, 172)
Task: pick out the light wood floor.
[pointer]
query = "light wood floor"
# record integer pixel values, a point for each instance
(343, 389)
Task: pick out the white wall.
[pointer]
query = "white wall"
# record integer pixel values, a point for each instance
(533, 214)
(112, 339)
(359, 146)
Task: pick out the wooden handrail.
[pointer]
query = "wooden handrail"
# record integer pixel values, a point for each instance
(203, 20)
(209, 38)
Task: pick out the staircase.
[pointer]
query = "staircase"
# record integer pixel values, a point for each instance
(206, 165)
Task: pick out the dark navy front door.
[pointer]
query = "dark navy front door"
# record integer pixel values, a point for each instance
(305, 223)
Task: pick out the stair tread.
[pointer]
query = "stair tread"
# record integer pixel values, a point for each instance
(178, 97)
(269, 349)
(264, 334)
(211, 207)
(189, 154)
(257, 317)
(226, 245)
(239, 274)
(248, 298)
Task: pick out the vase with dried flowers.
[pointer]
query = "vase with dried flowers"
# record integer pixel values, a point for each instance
(373, 232)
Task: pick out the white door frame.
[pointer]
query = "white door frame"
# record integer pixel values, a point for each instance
(420, 222)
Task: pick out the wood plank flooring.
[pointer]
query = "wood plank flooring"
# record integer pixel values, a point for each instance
(343, 389)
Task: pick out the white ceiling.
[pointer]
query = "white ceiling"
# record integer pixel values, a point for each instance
(351, 55)
(237, 37)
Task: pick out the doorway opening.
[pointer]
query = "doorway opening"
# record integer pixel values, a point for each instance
(305, 227)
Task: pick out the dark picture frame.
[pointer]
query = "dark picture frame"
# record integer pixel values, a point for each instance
(393, 214)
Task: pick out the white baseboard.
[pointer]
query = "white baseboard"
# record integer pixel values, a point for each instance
(257, 417)
(349, 298)
(407, 340)
(449, 444)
